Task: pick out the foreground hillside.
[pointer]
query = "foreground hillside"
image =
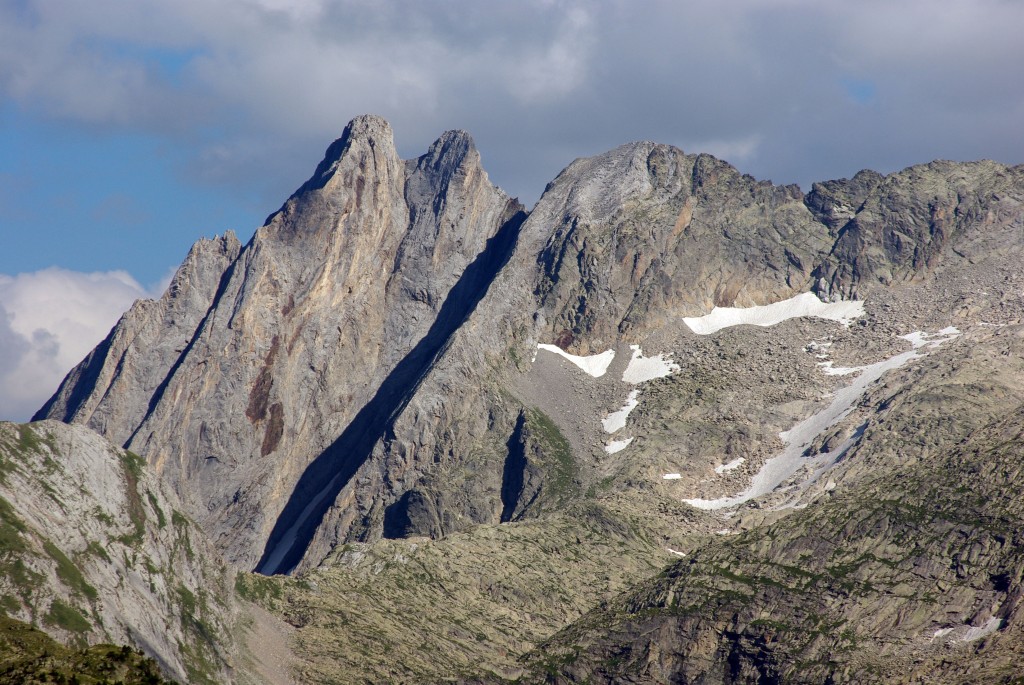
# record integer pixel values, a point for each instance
(673, 425)
(94, 550)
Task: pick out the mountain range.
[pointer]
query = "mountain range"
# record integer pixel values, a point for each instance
(673, 424)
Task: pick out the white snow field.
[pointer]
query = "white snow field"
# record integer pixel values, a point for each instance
(642, 369)
(617, 419)
(672, 476)
(734, 464)
(617, 445)
(805, 304)
(639, 370)
(967, 632)
(779, 468)
(595, 365)
(837, 370)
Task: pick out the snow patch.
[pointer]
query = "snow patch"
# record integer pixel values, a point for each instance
(617, 445)
(968, 633)
(805, 304)
(783, 466)
(735, 463)
(837, 370)
(642, 369)
(595, 365)
(677, 553)
(617, 419)
(919, 339)
(672, 476)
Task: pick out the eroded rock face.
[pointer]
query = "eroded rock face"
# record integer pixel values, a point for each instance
(95, 549)
(617, 251)
(113, 388)
(368, 367)
(901, 227)
(618, 245)
(644, 234)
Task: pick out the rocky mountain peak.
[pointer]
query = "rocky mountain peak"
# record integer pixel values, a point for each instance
(371, 264)
(438, 409)
(452, 147)
(199, 256)
(836, 202)
(595, 188)
(452, 156)
(367, 138)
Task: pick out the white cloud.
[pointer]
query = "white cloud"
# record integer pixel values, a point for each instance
(49, 321)
(562, 66)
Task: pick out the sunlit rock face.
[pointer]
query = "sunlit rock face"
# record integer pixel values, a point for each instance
(259, 357)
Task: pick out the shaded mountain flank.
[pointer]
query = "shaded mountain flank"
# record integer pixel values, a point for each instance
(511, 438)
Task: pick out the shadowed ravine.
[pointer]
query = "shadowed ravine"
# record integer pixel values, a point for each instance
(335, 466)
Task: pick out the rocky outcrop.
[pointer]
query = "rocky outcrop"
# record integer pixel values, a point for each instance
(118, 382)
(631, 239)
(95, 549)
(901, 227)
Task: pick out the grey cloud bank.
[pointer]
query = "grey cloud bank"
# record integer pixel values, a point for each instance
(792, 90)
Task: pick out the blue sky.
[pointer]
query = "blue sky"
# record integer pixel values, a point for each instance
(131, 128)
(99, 201)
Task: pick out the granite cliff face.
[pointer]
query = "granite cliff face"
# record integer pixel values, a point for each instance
(900, 228)
(405, 386)
(258, 358)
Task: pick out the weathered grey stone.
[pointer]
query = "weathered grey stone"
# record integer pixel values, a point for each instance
(98, 550)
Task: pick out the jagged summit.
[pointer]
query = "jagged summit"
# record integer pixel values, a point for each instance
(367, 133)
(453, 151)
(353, 270)
(260, 358)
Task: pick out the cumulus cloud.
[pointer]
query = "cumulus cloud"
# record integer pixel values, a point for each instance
(49, 321)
